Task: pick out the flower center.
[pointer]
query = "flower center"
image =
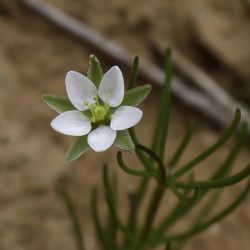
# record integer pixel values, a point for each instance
(99, 112)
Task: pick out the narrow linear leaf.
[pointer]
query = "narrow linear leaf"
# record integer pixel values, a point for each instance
(218, 217)
(75, 221)
(179, 210)
(123, 141)
(222, 140)
(162, 122)
(218, 183)
(110, 200)
(77, 148)
(226, 166)
(94, 71)
(173, 216)
(168, 246)
(133, 74)
(165, 105)
(99, 230)
(133, 97)
(183, 145)
(58, 104)
(151, 214)
(207, 209)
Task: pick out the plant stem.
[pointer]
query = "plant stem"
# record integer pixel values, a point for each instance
(151, 214)
(155, 157)
(131, 171)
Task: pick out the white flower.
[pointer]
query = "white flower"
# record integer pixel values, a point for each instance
(98, 113)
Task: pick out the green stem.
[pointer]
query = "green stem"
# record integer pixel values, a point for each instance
(177, 211)
(132, 171)
(182, 197)
(168, 246)
(180, 209)
(153, 155)
(140, 191)
(143, 159)
(150, 215)
(135, 200)
(112, 209)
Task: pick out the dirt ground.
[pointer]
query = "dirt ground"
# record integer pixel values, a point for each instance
(34, 58)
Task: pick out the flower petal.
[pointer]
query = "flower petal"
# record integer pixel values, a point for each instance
(125, 117)
(101, 138)
(72, 123)
(80, 90)
(111, 89)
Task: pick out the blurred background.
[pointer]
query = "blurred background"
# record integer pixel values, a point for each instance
(34, 59)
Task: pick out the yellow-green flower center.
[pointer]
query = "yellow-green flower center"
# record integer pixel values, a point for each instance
(99, 112)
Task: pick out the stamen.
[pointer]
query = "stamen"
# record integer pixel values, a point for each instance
(86, 104)
(99, 112)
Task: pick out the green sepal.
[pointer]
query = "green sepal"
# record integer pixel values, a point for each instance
(94, 71)
(123, 141)
(58, 104)
(77, 148)
(133, 97)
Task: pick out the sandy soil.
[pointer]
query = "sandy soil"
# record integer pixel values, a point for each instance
(34, 57)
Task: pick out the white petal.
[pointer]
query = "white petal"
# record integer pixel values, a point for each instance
(111, 89)
(72, 123)
(80, 90)
(101, 138)
(125, 117)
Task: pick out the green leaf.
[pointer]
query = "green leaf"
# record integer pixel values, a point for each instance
(165, 105)
(133, 97)
(212, 220)
(205, 154)
(94, 72)
(134, 72)
(183, 145)
(123, 141)
(59, 104)
(76, 225)
(77, 148)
